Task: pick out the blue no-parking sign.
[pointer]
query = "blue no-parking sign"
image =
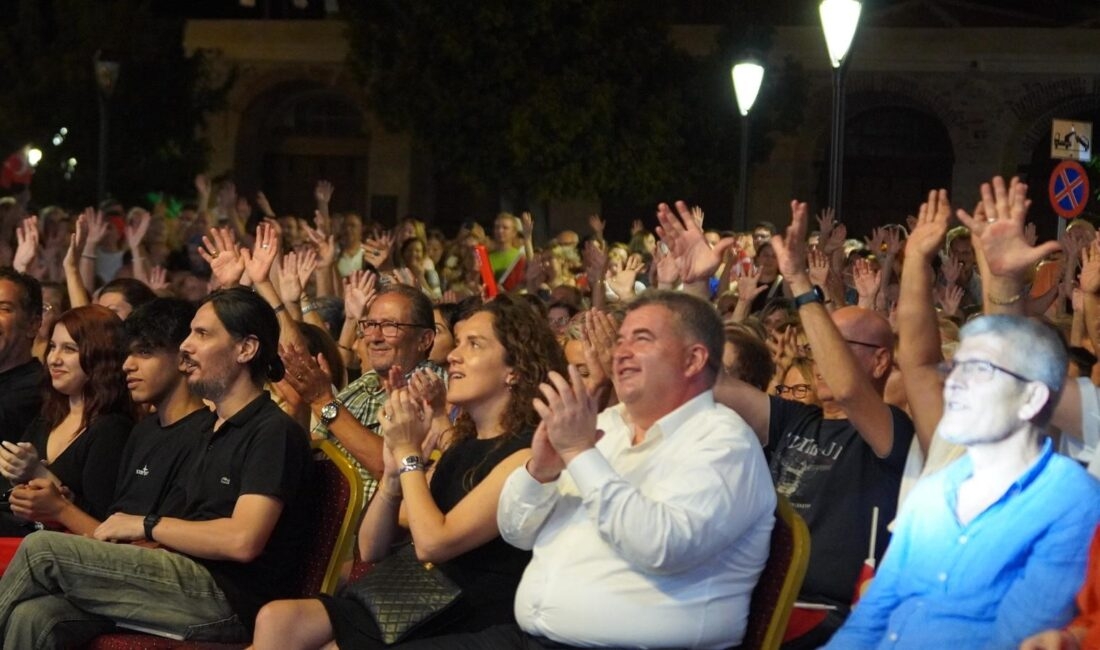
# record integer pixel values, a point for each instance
(1069, 189)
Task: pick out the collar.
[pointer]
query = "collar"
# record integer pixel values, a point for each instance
(964, 469)
(674, 420)
(241, 417)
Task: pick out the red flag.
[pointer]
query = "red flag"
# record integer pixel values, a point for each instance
(486, 270)
(17, 169)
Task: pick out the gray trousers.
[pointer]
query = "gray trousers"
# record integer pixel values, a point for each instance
(63, 590)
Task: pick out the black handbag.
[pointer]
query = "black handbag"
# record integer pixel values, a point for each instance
(402, 593)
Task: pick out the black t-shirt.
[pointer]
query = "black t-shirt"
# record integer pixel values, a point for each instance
(20, 399)
(833, 479)
(153, 461)
(89, 465)
(260, 450)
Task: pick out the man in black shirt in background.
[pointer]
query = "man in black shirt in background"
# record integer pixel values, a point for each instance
(20, 373)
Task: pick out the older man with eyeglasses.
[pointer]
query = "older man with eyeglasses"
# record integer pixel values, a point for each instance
(397, 336)
(991, 549)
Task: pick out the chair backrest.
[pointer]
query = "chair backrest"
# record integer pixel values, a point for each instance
(335, 503)
(779, 584)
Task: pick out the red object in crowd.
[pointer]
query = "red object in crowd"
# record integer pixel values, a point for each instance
(486, 270)
(17, 170)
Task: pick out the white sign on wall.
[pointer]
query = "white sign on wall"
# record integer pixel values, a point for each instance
(1071, 140)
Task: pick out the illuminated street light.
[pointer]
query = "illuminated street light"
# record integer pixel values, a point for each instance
(747, 77)
(839, 20)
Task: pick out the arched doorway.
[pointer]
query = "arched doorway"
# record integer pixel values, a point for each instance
(893, 157)
(297, 134)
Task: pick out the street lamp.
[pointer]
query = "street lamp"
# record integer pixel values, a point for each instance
(747, 76)
(106, 78)
(839, 20)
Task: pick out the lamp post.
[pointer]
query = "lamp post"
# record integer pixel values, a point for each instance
(106, 77)
(747, 76)
(839, 20)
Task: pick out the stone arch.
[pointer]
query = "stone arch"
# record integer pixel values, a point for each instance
(920, 111)
(296, 131)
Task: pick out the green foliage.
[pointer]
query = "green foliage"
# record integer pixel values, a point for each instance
(557, 98)
(157, 111)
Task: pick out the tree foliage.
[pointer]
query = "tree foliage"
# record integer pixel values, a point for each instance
(555, 98)
(157, 111)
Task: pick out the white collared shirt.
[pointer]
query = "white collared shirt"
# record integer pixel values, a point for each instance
(651, 545)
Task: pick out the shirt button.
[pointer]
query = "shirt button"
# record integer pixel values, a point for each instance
(963, 539)
(893, 636)
(942, 577)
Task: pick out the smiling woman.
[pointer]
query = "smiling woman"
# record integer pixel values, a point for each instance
(86, 418)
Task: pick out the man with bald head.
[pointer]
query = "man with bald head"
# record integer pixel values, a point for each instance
(838, 462)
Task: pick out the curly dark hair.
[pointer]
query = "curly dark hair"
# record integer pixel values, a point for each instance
(531, 350)
(99, 338)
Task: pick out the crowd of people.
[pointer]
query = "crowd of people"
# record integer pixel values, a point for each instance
(588, 437)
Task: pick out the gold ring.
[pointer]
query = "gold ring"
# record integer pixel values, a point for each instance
(215, 254)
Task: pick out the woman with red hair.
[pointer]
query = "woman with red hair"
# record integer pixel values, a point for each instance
(86, 418)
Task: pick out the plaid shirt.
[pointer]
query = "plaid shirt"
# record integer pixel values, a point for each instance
(363, 398)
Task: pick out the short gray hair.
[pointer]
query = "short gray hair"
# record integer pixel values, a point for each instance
(696, 319)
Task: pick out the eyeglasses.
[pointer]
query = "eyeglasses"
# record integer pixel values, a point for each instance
(977, 370)
(797, 391)
(389, 328)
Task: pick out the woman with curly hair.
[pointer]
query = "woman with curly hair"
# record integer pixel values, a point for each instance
(504, 350)
(86, 417)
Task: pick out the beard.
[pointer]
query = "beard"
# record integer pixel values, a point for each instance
(208, 389)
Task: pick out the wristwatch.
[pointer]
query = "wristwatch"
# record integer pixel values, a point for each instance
(412, 463)
(815, 294)
(329, 412)
(151, 521)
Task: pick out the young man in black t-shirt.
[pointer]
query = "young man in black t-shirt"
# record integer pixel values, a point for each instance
(160, 444)
(242, 521)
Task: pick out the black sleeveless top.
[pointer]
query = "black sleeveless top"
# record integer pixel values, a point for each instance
(490, 573)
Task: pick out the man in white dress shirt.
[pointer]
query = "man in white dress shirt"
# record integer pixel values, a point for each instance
(649, 523)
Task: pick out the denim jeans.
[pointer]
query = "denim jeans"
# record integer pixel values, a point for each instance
(65, 589)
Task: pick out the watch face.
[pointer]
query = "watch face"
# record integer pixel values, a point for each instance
(329, 412)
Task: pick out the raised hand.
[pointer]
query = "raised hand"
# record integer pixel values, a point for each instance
(76, 240)
(326, 246)
(358, 293)
(264, 205)
(826, 222)
(290, 285)
(307, 264)
(695, 259)
(595, 262)
(405, 422)
(528, 225)
(951, 270)
(1001, 234)
(323, 192)
(136, 229)
(158, 278)
(597, 225)
(749, 287)
(636, 227)
(891, 241)
(569, 413)
(309, 376)
(665, 268)
(257, 262)
(927, 234)
(429, 388)
(97, 230)
(790, 249)
(622, 283)
(26, 250)
(877, 241)
(818, 266)
(697, 215)
(867, 280)
(1090, 269)
(835, 241)
(221, 252)
(376, 250)
(598, 335)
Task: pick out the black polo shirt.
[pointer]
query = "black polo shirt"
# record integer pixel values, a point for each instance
(153, 462)
(20, 399)
(259, 450)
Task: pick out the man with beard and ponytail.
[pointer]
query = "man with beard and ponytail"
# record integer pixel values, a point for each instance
(242, 523)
